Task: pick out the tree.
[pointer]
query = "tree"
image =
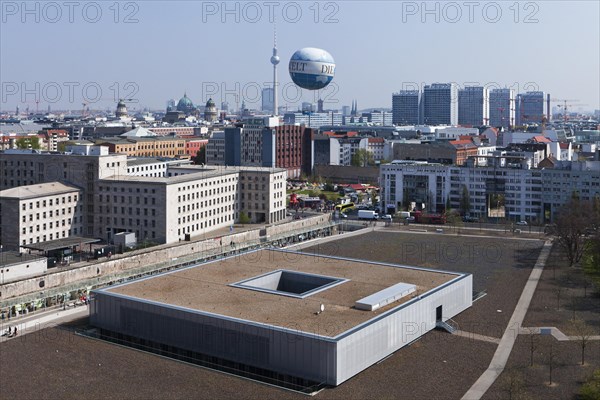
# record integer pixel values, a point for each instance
(591, 260)
(200, 157)
(318, 179)
(29, 142)
(465, 201)
(591, 389)
(244, 218)
(571, 223)
(373, 196)
(430, 201)
(454, 220)
(362, 158)
(62, 146)
(513, 384)
(533, 345)
(551, 362)
(583, 332)
(558, 292)
(406, 199)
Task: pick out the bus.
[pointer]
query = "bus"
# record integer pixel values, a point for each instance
(309, 202)
(344, 207)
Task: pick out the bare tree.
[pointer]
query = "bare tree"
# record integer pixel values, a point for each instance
(513, 384)
(583, 332)
(571, 224)
(552, 358)
(533, 344)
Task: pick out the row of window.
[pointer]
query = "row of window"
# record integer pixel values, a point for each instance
(52, 224)
(201, 215)
(205, 224)
(50, 214)
(129, 211)
(49, 202)
(115, 199)
(130, 190)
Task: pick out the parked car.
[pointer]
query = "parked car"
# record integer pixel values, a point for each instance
(522, 223)
(386, 218)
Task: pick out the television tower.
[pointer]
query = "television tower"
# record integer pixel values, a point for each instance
(275, 60)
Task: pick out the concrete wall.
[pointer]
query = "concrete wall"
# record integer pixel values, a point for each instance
(347, 174)
(27, 268)
(138, 259)
(299, 224)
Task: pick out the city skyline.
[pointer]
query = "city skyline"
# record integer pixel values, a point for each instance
(207, 52)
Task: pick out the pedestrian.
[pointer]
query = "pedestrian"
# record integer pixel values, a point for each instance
(15, 332)
(9, 330)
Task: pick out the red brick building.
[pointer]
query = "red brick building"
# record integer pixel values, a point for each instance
(193, 145)
(464, 150)
(292, 149)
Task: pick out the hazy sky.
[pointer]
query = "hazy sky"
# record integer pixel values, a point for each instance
(152, 51)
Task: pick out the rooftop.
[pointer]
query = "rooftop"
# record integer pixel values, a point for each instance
(62, 243)
(8, 258)
(209, 288)
(37, 190)
(152, 160)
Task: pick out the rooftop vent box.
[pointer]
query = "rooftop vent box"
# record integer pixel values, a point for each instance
(385, 297)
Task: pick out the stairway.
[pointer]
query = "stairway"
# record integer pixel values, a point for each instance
(448, 325)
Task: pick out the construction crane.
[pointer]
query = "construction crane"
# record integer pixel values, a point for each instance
(565, 107)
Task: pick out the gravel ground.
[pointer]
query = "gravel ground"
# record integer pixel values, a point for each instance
(568, 374)
(551, 308)
(544, 310)
(73, 367)
(439, 366)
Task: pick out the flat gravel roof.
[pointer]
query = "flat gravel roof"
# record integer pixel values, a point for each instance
(206, 288)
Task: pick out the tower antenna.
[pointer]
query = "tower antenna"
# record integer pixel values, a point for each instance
(275, 60)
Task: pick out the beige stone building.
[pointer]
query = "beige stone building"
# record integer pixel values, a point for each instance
(39, 213)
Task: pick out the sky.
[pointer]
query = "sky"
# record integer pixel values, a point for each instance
(63, 54)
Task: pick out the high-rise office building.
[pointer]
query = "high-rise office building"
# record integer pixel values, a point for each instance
(530, 108)
(440, 104)
(268, 100)
(405, 107)
(502, 108)
(473, 106)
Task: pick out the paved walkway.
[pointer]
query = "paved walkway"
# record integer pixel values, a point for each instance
(510, 334)
(555, 332)
(42, 321)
